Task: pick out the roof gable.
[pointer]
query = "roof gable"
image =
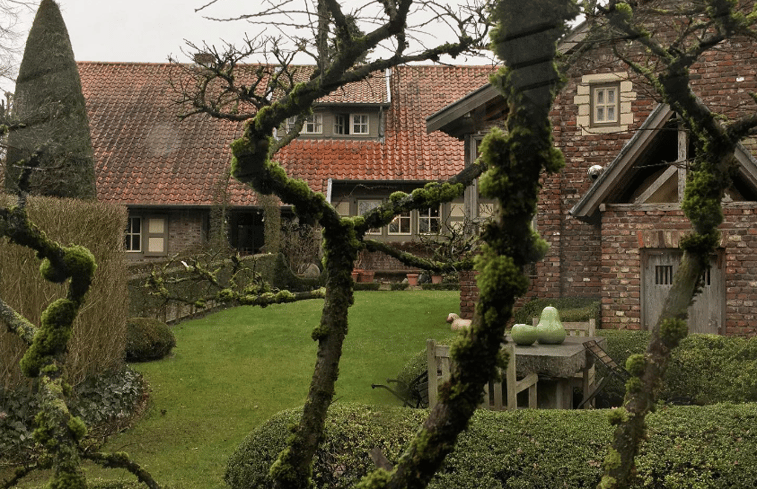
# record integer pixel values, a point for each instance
(616, 177)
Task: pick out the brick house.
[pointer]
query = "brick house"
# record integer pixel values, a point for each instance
(612, 217)
(361, 143)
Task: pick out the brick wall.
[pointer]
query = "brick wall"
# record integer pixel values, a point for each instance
(625, 232)
(186, 230)
(468, 294)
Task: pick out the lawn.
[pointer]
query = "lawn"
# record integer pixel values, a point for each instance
(233, 369)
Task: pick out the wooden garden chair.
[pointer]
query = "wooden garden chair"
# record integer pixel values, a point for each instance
(439, 367)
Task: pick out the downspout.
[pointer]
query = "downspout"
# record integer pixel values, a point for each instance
(329, 188)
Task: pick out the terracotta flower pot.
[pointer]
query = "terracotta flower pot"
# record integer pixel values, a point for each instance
(412, 279)
(436, 279)
(356, 274)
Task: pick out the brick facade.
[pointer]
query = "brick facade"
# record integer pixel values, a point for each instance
(601, 255)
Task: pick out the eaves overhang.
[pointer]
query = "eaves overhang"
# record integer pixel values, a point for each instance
(457, 119)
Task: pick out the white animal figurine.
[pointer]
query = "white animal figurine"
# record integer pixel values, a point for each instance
(457, 323)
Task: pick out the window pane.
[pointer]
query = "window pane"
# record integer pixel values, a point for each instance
(400, 224)
(364, 206)
(610, 113)
(610, 96)
(600, 114)
(155, 245)
(360, 124)
(156, 225)
(600, 96)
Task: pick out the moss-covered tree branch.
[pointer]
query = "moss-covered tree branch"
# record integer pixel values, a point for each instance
(121, 460)
(16, 323)
(525, 38)
(413, 260)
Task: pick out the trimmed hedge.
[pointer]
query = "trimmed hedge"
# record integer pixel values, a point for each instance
(690, 446)
(571, 309)
(148, 339)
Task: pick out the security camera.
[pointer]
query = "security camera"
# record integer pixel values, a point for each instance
(595, 171)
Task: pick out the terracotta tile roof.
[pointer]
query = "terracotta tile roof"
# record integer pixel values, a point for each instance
(408, 153)
(146, 155)
(372, 90)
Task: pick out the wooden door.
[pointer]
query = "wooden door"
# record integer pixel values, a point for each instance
(706, 314)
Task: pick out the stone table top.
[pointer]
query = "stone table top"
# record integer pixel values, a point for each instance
(558, 361)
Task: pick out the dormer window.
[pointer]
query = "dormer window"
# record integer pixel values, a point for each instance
(356, 124)
(313, 124)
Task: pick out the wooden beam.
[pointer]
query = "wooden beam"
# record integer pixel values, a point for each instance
(661, 180)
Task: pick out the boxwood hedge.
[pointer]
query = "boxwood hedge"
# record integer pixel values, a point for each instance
(689, 446)
(148, 339)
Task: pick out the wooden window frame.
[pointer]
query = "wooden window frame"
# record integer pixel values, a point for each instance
(595, 105)
(399, 219)
(130, 234)
(425, 216)
(314, 120)
(360, 120)
(148, 235)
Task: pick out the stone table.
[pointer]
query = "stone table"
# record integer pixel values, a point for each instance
(556, 366)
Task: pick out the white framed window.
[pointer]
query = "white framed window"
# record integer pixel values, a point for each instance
(134, 235)
(313, 124)
(357, 124)
(430, 220)
(360, 124)
(402, 225)
(605, 104)
(364, 206)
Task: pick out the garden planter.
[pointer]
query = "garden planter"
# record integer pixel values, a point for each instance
(356, 274)
(412, 279)
(436, 279)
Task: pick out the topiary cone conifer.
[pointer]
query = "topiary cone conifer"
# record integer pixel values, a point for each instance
(50, 102)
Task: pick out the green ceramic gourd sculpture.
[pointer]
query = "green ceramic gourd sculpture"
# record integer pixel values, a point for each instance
(550, 330)
(523, 334)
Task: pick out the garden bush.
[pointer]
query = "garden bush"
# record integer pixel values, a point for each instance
(689, 446)
(106, 403)
(706, 369)
(571, 309)
(148, 339)
(442, 286)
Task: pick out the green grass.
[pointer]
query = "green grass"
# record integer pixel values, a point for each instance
(234, 369)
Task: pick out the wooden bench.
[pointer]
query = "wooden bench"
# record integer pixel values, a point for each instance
(439, 368)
